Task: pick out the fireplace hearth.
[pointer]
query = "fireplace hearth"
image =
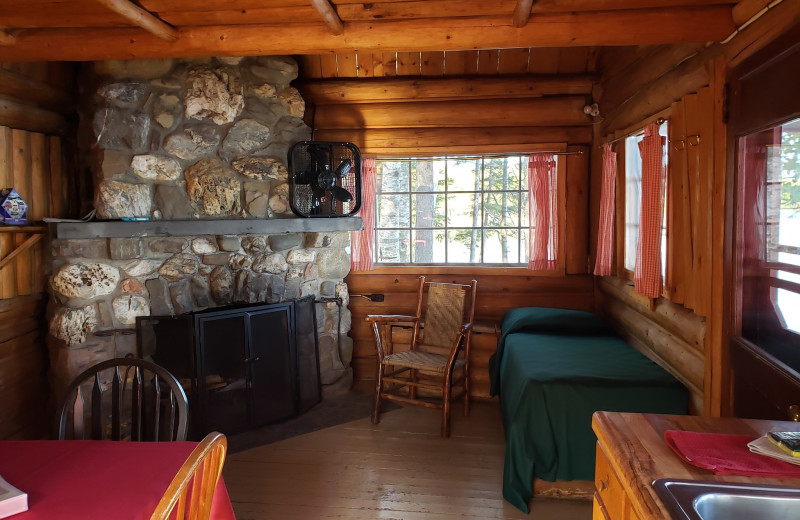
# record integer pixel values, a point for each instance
(241, 367)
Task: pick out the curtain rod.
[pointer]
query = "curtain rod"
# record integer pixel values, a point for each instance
(487, 156)
(660, 121)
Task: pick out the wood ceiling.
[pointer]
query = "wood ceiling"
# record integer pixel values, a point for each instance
(499, 34)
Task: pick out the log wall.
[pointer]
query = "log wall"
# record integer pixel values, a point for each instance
(35, 117)
(498, 291)
(685, 330)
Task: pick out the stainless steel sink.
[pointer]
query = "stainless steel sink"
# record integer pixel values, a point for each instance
(700, 500)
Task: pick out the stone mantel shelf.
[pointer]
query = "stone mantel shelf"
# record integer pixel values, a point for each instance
(169, 228)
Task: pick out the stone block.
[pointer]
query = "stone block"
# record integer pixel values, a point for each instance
(94, 248)
(237, 262)
(160, 301)
(333, 263)
(125, 248)
(292, 289)
(124, 94)
(311, 272)
(330, 239)
(193, 142)
(173, 202)
(110, 163)
(128, 306)
(221, 285)
(124, 345)
(245, 137)
(261, 168)
(216, 259)
(214, 94)
(301, 256)
(201, 292)
(178, 267)
(85, 280)
(121, 129)
(270, 263)
(72, 325)
(156, 168)
(132, 286)
(278, 70)
(204, 245)
(116, 199)
(181, 295)
(213, 188)
(284, 241)
(229, 243)
(255, 244)
(141, 267)
(327, 288)
(166, 245)
(256, 198)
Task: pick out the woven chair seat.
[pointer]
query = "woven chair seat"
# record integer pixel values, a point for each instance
(421, 360)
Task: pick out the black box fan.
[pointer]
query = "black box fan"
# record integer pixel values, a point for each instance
(325, 179)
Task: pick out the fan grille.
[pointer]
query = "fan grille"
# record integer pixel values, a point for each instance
(305, 202)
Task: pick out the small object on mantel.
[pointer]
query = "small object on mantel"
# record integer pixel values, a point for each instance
(13, 210)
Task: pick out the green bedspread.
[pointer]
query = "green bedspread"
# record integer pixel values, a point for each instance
(551, 382)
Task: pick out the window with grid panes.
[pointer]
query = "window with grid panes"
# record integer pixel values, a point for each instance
(452, 211)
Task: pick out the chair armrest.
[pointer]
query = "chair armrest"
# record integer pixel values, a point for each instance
(389, 318)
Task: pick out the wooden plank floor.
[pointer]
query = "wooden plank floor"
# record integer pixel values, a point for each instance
(400, 469)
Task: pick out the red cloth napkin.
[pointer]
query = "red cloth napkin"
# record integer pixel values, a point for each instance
(726, 454)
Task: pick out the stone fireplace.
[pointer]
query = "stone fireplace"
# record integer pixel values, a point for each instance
(199, 148)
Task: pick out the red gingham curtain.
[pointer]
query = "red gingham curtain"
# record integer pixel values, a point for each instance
(542, 204)
(647, 275)
(605, 230)
(362, 243)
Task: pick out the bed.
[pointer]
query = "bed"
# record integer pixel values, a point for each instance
(552, 369)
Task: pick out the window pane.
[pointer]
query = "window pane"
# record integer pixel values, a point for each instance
(464, 246)
(392, 176)
(427, 210)
(501, 246)
(783, 195)
(393, 246)
(428, 246)
(427, 175)
(463, 210)
(633, 199)
(464, 174)
(789, 307)
(501, 173)
(501, 209)
(524, 210)
(393, 211)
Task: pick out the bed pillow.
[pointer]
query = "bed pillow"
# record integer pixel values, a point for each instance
(548, 320)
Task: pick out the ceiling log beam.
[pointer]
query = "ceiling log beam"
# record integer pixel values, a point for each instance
(329, 16)
(141, 18)
(7, 39)
(570, 30)
(437, 89)
(522, 13)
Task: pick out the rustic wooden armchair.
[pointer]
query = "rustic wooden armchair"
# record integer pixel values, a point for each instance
(146, 403)
(434, 361)
(191, 492)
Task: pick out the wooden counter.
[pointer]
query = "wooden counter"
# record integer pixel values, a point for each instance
(634, 445)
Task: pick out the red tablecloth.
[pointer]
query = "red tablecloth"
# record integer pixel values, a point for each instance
(90, 480)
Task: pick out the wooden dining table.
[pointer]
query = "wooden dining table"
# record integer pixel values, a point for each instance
(87, 480)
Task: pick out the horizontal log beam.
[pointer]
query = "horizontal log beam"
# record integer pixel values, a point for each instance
(557, 111)
(25, 117)
(444, 141)
(699, 24)
(30, 91)
(7, 39)
(404, 89)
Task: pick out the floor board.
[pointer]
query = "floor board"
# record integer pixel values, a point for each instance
(399, 469)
